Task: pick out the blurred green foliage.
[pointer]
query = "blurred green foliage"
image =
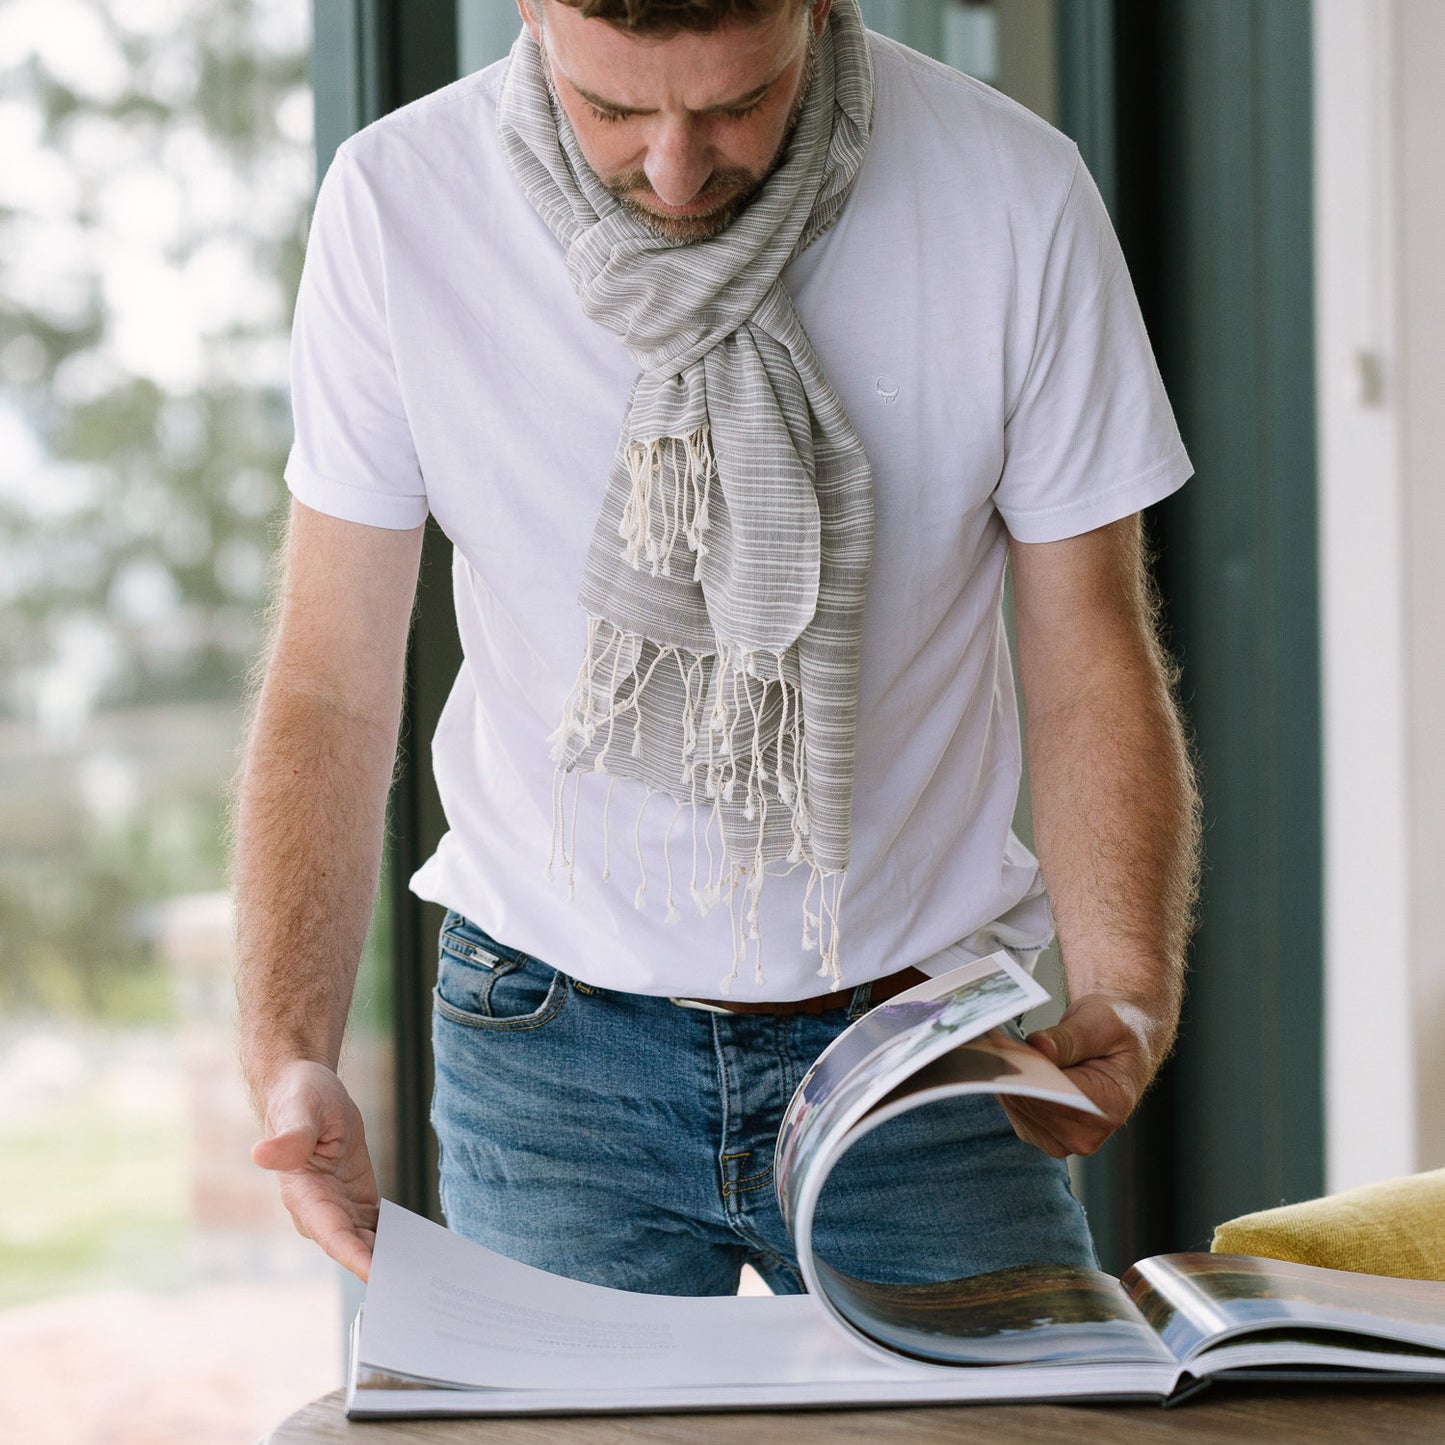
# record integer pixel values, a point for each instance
(164, 194)
(177, 485)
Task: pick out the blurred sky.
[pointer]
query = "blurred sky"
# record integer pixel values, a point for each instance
(163, 226)
(165, 289)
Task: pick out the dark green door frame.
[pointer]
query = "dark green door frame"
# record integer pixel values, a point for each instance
(370, 56)
(1197, 119)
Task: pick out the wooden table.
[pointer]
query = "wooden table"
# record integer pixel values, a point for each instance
(1240, 1415)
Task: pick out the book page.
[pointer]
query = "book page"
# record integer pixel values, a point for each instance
(1195, 1301)
(1030, 1314)
(997, 1063)
(882, 1049)
(442, 1309)
(451, 1328)
(940, 1041)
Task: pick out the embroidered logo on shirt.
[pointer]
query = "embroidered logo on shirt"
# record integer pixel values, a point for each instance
(887, 391)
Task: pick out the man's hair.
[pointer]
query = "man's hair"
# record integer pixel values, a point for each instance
(660, 17)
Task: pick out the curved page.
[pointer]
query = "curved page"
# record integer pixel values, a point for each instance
(939, 1040)
(882, 1049)
(1032, 1314)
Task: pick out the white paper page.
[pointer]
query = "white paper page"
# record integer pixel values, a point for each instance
(1281, 1354)
(441, 1307)
(1216, 1296)
(996, 1064)
(1135, 1382)
(875, 1054)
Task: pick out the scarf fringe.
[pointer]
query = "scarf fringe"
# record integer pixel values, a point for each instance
(669, 498)
(715, 774)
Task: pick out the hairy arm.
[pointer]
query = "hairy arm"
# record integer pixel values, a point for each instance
(309, 825)
(1116, 819)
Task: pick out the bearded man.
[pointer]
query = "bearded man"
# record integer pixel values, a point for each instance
(770, 342)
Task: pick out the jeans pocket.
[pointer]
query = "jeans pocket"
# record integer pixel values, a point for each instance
(484, 984)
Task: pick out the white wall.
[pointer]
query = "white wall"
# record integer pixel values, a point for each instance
(1422, 390)
(1380, 220)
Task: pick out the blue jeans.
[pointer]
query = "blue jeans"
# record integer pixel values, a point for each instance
(626, 1140)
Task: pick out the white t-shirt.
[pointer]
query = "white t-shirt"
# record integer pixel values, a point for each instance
(973, 313)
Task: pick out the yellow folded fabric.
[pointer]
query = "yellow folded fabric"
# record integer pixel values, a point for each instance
(1396, 1227)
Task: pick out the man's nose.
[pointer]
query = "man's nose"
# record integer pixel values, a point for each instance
(679, 161)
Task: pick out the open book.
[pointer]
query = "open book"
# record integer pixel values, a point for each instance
(450, 1328)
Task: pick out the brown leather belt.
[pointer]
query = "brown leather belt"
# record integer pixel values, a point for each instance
(880, 991)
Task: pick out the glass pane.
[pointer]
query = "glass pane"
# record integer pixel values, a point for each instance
(1027, 55)
(153, 203)
(485, 32)
(1008, 44)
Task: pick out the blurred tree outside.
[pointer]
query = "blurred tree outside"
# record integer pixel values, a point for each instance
(156, 178)
(153, 206)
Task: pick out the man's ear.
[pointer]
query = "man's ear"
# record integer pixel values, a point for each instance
(531, 12)
(820, 14)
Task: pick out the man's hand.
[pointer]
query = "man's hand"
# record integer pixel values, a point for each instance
(1110, 1048)
(316, 1142)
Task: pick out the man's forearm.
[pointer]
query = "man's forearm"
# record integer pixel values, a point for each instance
(1116, 809)
(1116, 826)
(1115, 822)
(309, 826)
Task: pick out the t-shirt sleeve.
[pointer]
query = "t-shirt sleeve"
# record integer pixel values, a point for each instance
(353, 455)
(1090, 437)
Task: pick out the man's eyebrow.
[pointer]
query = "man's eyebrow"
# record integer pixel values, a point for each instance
(739, 102)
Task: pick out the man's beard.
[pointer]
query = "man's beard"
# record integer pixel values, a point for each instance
(734, 187)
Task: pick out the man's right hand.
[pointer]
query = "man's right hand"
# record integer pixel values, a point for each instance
(316, 1142)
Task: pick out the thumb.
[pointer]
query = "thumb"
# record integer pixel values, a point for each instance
(1059, 1044)
(291, 1142)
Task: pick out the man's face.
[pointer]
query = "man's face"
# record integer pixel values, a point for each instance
(682, 129)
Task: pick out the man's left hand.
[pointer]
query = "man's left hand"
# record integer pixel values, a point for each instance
(1110, 1047)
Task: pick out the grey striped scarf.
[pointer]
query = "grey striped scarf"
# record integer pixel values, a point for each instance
(725, 581)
